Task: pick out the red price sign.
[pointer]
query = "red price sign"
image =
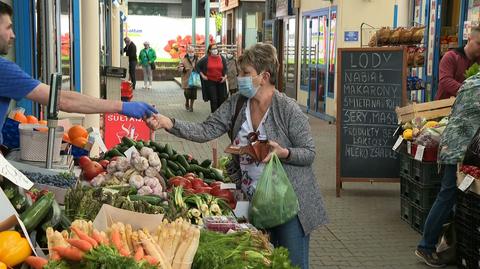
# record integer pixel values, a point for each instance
(118, 126)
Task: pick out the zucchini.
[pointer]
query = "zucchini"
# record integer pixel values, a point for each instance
(216, 174)
(168, 149)
(19, 202)
(181, 159)
(65, 222)
(128, 142)
(172, 165)
(163, 156)
(37, 212)
(206, 163)
(151, 199)
(54, 214)
(169, 173)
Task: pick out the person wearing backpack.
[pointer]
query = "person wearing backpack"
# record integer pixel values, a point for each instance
(147, 60)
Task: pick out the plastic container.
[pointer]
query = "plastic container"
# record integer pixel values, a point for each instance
(425, 173)
(220, 223)
(423, 196)
(405, 187)
(419, 216)
(406, 211)
(11, 134)
(406, 163)
(33, 144)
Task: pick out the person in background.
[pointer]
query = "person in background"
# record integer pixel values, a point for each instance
(232, 73)
(187, 65)
(454, 64)
(131, 51)
(463, 123)
(213, 70)
(147, 59)
(272, 114)
(16, 84)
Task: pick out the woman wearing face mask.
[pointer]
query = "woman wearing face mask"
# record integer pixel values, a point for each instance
(213, 70)
(232, 73)
(187, 66)
(259, 107)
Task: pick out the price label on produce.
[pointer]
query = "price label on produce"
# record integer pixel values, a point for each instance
(398, 143)
(419, 153)
(466, 183)
(95, 132)
(11, 173)
(129, 152)
(409, 147)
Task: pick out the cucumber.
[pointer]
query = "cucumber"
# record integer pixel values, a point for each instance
(216, 174)
(173, 157)
(168, 150)
(193, 161)
(151, 199)
(179, 173)
(163, 156)
(157, 146)
(19, 202)
(139, 145)
(200, 175)
(122, 149)
(128, 142)
(37, 212)
(197, 169)
(147, 144)
(181, 159)
(65, 222)
(164, 163)
(169, 173)
(208, 180)
(172, 165)
(174, 151)
(184, 171)
(206, 163)
(114, 153)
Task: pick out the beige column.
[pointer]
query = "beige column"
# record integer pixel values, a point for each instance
(90, 51)
(403, 13)
(116, 44)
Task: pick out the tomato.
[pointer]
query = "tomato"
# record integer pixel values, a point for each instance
(92, 170)
(197, 183)
(104, 163)
(83, 161)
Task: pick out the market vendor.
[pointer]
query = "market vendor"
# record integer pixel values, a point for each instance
(16, 84)
(263, 109)
(454, 64)
(462, 126)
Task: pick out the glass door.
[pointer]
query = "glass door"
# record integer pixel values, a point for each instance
(289, 81)
(318, 59)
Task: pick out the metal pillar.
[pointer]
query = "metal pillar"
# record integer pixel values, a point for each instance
(207, 24)
(194, 22)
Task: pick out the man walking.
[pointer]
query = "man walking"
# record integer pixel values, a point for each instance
(131, 51)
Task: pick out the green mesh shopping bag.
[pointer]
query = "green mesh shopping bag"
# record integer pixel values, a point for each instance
(274, 202)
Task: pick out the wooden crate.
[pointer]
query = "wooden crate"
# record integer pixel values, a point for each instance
(430, 110)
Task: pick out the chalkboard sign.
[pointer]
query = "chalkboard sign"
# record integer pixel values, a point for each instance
(371, 84)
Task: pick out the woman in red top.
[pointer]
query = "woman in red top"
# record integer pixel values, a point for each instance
(213, 70)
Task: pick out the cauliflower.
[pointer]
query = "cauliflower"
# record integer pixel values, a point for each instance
(154, 160)
(122, 164)
(151, 172)
(157, 190)
(146, 151)
(112, 167)
(134, 155)
(152, 182)
(145, 190)
(98, 180)
(136, 181)
(119, 174)
(140, 163)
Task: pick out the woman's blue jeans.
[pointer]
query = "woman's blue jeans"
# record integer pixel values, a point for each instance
(441, 210)
(290, 235)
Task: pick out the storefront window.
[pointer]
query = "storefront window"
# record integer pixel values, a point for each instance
(65, 48)
(332, 52)
(305, 55)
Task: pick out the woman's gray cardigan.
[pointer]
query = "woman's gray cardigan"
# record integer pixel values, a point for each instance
(288, 126)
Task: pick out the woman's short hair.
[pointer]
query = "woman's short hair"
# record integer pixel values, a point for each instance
(209, 50)
(263, 58)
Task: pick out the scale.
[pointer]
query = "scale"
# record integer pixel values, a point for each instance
(52, 115)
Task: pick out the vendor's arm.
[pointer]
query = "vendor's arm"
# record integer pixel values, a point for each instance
(213, 127)
(447, 82)
(71, 101)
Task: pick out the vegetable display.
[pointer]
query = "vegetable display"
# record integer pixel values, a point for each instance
(471, 170)
(62, 180)
(423, 132)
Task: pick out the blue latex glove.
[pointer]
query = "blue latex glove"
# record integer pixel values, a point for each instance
(138, 110)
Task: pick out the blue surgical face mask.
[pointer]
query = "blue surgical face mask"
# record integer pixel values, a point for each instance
(245, 86)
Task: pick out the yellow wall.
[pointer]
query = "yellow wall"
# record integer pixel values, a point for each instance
(350, 15)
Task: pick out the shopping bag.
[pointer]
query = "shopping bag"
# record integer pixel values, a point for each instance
(194, 80)
(153, 66)
(274, 201)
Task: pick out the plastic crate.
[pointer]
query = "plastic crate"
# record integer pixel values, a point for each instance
(33, 144)
(405, 186)
(425, 173)
(406, 210)
(429, 154)
(419, 216)
(423, 196)
(467, 259)
(11, 134)
(405, 165)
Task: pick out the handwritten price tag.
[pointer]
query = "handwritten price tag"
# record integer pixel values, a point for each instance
(11, 173)
(466, 183)
(398, 143)
(419, 153)
(409, 147)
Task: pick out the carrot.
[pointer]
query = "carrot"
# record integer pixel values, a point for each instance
(55, 256)
(116, 241)
(139, 253)
(124, 252)
(36, 262)
(84, 236)
(69, 253)
(97, 237)
(83, 245)
(151, 260)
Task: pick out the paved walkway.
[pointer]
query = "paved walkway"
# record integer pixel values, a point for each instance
(365, 229)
